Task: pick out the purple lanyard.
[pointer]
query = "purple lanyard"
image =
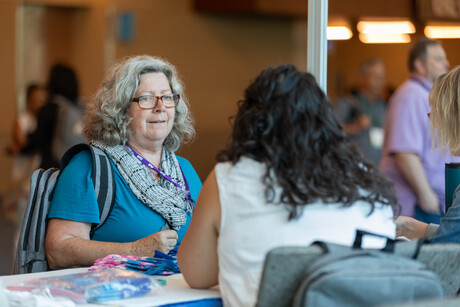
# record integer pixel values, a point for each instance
(152, 167)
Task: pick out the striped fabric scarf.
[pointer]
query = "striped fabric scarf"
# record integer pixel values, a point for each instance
(163, 197)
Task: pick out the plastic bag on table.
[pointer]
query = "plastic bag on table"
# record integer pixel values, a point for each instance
(94, 286)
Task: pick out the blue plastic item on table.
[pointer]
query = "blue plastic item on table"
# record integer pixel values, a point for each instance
(118, 289)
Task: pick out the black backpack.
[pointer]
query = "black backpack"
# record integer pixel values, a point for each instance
(30, 252)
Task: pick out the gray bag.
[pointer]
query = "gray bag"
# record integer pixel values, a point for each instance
(351, 276)
(30, 252)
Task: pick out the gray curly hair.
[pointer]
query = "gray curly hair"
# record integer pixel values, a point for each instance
(106, 119)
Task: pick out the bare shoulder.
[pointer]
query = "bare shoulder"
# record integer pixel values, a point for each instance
(208, 203)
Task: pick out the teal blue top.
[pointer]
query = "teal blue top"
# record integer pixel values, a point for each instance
(130, 220)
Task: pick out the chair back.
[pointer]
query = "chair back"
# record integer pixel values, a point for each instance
(444, 260)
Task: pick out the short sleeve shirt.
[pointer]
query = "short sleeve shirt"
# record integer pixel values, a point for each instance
(407, 130)
(75, 199)
(348, 109)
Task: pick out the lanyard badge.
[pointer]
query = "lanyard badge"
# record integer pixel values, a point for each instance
(152, 167)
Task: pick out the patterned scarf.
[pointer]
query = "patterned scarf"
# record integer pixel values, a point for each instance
(163, 196)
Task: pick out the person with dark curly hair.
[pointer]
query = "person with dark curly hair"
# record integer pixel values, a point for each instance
(287, 177)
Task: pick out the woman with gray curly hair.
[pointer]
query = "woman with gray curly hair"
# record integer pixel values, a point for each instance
(139, 118)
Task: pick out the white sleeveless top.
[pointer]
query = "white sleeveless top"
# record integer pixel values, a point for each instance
(250, 228)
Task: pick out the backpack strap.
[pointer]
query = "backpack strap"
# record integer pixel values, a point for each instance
(408, 249)
(357, 244)
(103, 180)
(104, 185)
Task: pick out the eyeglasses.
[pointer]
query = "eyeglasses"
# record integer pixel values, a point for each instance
(149, 101)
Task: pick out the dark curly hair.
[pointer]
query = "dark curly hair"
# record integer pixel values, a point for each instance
(285, 121)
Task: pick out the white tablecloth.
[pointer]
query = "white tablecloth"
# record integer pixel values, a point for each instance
(175, 291)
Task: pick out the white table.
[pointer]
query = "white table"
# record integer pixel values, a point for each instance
(175, 291)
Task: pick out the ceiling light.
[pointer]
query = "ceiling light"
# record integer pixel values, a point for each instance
(386, 27)
(338, 33)
(384, 38)
(442, 31)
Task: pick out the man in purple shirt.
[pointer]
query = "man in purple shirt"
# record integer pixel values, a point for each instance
(409, 160)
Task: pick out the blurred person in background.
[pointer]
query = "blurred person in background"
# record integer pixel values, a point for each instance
(60, 120)
(362, 113)
(25, 124)
(409, 160)
(14, 200)
(445, 123)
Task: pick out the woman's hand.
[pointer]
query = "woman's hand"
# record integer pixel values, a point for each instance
(68, 244)
(410, 228)
(162, 241)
